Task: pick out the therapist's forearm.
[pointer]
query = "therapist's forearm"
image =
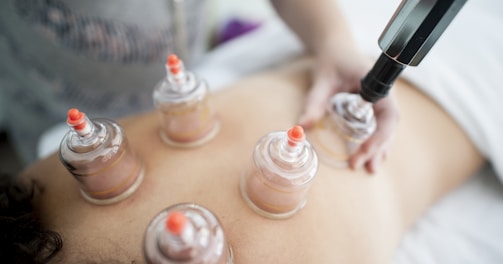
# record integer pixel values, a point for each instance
(320, 24)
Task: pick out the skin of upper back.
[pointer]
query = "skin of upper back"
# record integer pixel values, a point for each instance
(350, 216)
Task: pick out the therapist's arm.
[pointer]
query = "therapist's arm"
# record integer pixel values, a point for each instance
(317, 23)
(339, 67)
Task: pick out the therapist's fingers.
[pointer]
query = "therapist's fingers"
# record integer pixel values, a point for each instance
(316, 100)
(372, 152)
(373, 164)
(337, 70)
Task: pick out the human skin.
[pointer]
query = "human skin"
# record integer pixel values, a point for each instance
(340, 65)
(351, 216)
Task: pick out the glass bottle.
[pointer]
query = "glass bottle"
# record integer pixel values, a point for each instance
(186, 233)
(348, 122)
(96, 152)
(283, 167)
(182, 99)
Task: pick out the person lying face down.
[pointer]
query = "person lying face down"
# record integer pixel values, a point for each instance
(351, 215)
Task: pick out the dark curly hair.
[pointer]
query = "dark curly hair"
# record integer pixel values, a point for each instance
(23, 239)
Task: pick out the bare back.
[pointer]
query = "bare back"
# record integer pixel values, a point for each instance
(350, 216)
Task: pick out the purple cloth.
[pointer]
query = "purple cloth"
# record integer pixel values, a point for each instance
(234, 28)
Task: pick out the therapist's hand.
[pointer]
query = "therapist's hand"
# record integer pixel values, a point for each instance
(340, 70)
(375, 149)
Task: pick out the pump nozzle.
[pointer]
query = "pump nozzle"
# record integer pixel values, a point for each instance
(408, 37)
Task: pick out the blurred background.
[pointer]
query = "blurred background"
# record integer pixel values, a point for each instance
(225, 20)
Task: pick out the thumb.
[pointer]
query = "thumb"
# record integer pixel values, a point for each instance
(316, 101)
